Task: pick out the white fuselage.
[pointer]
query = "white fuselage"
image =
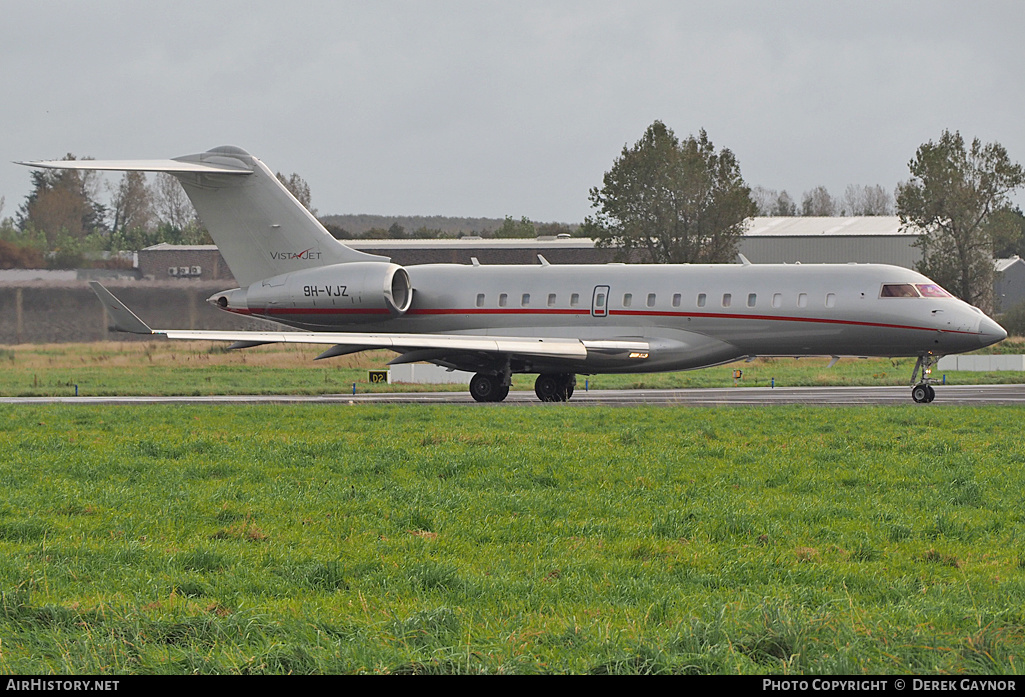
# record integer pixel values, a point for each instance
(692, 315)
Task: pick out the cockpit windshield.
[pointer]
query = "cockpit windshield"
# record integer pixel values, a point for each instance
(931, 290)
(913, 290)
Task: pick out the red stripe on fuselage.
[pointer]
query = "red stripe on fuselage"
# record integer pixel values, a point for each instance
(625, 313)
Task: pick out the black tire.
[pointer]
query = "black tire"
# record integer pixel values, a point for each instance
(920, 393)
(549, 388)
(484, 388)
(554, 387)
(570, 381)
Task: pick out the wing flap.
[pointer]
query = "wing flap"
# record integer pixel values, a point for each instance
(551, 348)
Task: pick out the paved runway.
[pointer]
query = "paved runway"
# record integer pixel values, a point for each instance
(976, 395)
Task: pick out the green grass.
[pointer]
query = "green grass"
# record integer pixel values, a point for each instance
(202, 368)
(448, 539)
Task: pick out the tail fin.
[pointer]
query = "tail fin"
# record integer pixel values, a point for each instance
(259, 227)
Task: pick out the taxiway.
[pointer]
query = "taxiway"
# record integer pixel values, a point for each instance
(977, 395)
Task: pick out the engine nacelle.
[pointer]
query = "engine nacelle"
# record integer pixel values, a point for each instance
(362, 291)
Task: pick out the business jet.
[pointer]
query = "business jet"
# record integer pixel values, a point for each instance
(554, 320)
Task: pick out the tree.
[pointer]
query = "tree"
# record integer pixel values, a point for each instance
(818, 202)
(298, 187)
(61, 205)
(950, 200)
(511, 229)
(132, 203)
(171, 204)
(784, 206)
(773, 203)
(679, 201)
(866, 200)
(1007, 228)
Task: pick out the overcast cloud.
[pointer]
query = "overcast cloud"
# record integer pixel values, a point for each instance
(506, 108)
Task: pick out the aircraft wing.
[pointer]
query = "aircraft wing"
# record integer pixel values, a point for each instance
(563, 348)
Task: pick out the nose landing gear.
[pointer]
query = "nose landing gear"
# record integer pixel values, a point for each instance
(923, 392)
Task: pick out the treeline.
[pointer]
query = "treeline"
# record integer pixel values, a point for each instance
(376, 227)
(74, 219)
(857, 200)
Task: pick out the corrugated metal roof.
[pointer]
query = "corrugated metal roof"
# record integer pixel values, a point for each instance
(810, 226)
(1004, 264)
(466, 243)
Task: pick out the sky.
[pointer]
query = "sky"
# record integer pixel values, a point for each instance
(487, 109)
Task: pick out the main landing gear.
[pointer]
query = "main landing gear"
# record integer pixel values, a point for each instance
(489, 388)
(923, 392)
(555, 387)
(549, 387)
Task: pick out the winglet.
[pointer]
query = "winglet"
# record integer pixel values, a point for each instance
(124, 319)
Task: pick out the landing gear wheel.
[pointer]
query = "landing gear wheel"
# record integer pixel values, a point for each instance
(571, 382)
(554, 387)
(923, 394)
(488, 388)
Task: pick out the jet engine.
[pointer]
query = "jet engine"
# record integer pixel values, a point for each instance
(335, 295)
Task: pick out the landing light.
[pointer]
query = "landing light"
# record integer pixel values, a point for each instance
(636, 354)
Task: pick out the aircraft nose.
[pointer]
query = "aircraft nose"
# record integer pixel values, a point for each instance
(990, 332)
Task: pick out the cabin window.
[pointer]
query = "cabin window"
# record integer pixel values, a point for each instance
(651, 300)
(628, 300)
(777, 300)
(480, 299)
(802, 300)
(898, 290)
(551, 300)
(574, 299)
(727, 299)
(525, 300)
(830, 299)
(752, 299)
(503, 299)
(701, 299)
(677, 299)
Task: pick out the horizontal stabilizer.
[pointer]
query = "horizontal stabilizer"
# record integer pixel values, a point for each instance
(169, 166)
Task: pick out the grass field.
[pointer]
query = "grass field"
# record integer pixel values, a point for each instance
(452, 539)
(201, 368)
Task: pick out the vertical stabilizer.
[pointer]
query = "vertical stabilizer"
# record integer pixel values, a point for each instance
(259, 227)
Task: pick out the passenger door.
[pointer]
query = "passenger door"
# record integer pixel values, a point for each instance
(600, 302)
